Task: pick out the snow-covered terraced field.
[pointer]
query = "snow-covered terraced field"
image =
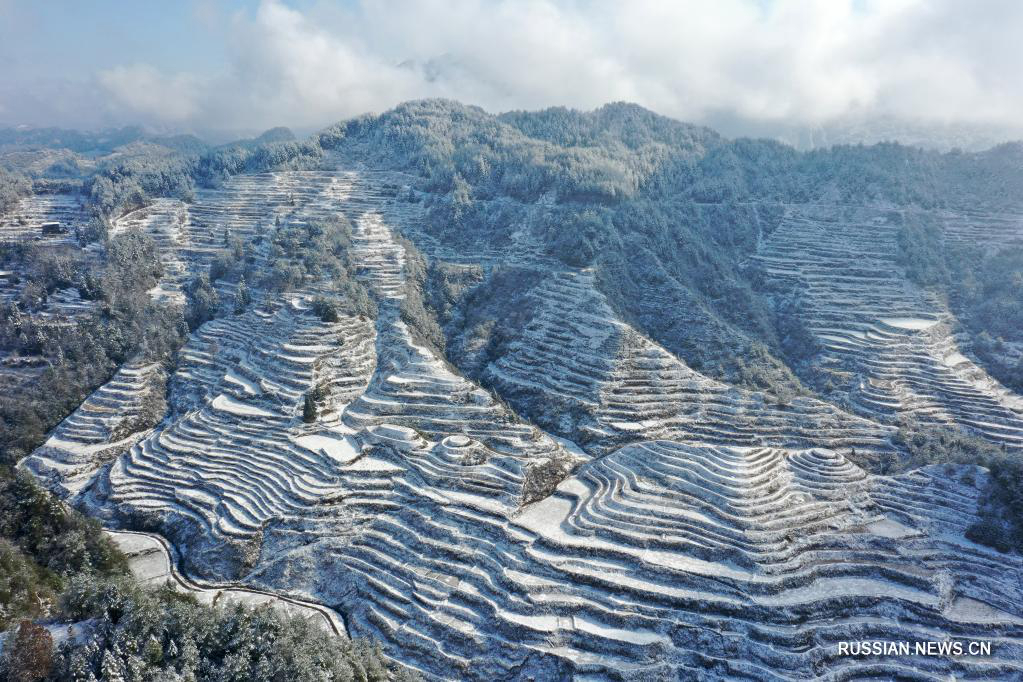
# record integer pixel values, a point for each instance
(164, 220)
(100, 429)
(890, 340)
(976, 228)
(248, 206)
(663, 559)
(231, 457)
(414, 389)
(576, 359)
(700, 532)
(24, 223)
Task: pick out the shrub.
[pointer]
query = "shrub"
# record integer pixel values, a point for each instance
(325, 309)
(990, 532)
(96, 230)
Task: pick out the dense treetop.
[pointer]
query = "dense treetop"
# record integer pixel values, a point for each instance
(621, 150)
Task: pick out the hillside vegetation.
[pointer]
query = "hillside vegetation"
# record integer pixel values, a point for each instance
(128, 633)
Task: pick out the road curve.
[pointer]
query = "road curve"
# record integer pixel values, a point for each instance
(140, 548)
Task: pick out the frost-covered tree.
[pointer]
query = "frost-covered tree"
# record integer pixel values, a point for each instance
(242, 297)
(161, 634)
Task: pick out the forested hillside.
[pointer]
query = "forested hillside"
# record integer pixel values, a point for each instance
(651, 202)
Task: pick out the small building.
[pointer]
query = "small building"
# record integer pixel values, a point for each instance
(53, 227)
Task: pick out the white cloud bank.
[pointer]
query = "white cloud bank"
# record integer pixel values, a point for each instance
(797, 61)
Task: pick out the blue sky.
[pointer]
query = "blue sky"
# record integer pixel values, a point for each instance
(203, 65)
(76, 39)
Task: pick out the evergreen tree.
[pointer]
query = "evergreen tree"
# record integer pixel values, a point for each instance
(242, 297)
(203, 301)
(309, 410)
(111, 668)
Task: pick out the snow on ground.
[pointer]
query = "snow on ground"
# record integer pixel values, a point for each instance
(236, 407)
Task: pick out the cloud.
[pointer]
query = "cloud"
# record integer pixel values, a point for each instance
(140, 88)
(284, 70)
(795, 61)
